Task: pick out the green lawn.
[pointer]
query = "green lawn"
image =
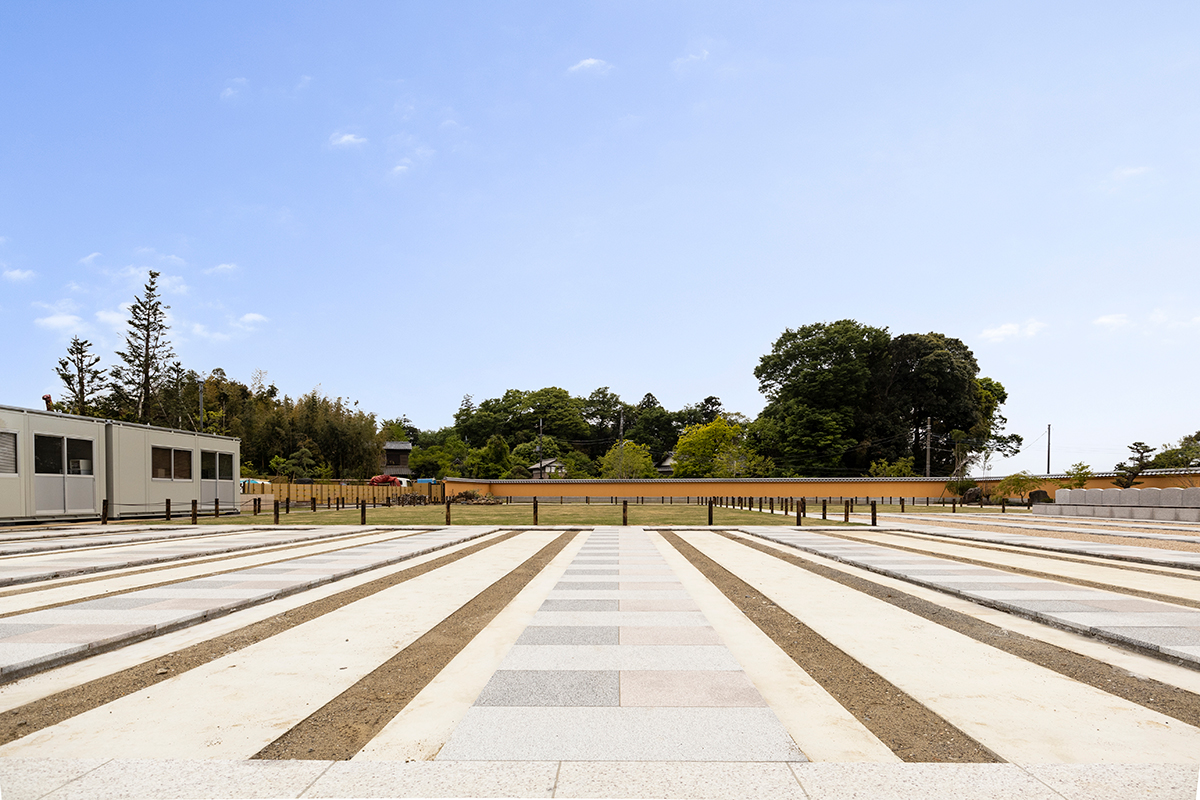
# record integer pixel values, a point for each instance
(648, 515)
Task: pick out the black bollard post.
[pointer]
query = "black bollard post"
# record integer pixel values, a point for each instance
(168, 517)
(104, 512)
(216, 506)
(901, 505)
(846, 513)
(447, 512)
(824, 509)
(535, 516)
(624, 512)
(802, 509)
(954, 506)
(313, 501)
(195, 512)
(362, 518)
(874, 522)
(276, 512)
(710, 505)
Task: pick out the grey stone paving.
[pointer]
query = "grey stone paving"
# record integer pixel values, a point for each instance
(44, 638)
(1109, 615)
(625, 670)
(33, 564)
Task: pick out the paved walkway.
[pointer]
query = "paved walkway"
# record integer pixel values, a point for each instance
(620, 664)
(54, 635)
(1147, 624)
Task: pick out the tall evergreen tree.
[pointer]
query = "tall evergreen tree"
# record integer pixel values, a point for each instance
(147, 354)
(84, 383)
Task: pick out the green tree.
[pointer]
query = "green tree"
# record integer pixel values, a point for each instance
(698, 445)
(579, 465)
(1184, 455)
(278, 465)
(1128, 471)
(301, 464)
(84, 383)
(738, 460)
(902, 468)
(1018, 483)
(654, 427)
(1077, 476)
(627, 460)
(147, 354)
(490, 461)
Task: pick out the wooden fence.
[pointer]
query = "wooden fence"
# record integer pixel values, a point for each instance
(350, 494)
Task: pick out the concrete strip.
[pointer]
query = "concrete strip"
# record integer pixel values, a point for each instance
(920, 782)
(191, 779)
(38, 686)
(437, 779)
(234, 706)
(696, 780)
(70, 590)
(820, 726)
(418, 732)
(1020, 711)
(1134, 662)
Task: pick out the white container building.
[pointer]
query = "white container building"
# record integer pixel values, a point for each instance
(59, 466)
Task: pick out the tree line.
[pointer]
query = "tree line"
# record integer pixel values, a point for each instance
(843, 399)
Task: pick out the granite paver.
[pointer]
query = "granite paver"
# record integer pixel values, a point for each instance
(54, 635)
(625, 670)
(1113, 616)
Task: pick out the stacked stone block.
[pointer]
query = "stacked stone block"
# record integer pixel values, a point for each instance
(1160, 505)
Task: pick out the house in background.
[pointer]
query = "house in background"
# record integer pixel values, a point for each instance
(395, 459)
(666, 466)
(546, 469)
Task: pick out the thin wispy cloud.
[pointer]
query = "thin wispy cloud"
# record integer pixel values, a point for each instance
(62, 317)
(346, 140)
(1014, 330)
(203, 332)
(681, 64)
(114, 320)
(1125, 173)
(88, 259)
(173, 284)
(1112, 321)
(18, 275)
(303, 83)
(230, 267)
(233, 88)
(596, 66)
(250, 321)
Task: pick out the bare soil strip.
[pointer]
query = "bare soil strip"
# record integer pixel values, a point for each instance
(1128, 563)
(912, 731)
(344, 725)
(1162, 697)
(1080, 534)
(35, 716)
(1050, 576)
(140, 587)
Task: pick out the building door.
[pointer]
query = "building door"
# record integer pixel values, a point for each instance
(63, 475)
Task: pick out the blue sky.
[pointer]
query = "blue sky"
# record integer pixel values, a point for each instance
(404, 203)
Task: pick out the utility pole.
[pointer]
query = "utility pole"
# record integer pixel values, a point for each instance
(928, 443)
(539, 447)
(621, 450)
(200, 387)
(1047, 449)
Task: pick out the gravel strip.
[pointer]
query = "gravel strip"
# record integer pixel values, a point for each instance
(912, 731)
(1162, 697)
(35, 716)
(344, 725)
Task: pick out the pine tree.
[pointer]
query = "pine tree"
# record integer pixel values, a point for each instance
(147, 354)
(83, 381)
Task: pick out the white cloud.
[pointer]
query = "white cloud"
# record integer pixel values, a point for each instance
(305, 80)
(346, 140)
(18, 275)
(1124, 173)
(172, 284)
(115, 319)
(222, 268)
(683, 62)
(233, 88)
(250, 320)
(89, 258)
(1013, 330)
(74, 287)
(59, 322)
(1112, 320)
(204, 333)
(594, 65)
(402, 167)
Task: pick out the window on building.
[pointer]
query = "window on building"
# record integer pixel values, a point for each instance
(182, 460)
(225, 461)
(79, 456)
(48, 455)
(208, 466)
(160, 462)
(8, 453)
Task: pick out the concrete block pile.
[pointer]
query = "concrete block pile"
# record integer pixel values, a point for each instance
(1162, 505)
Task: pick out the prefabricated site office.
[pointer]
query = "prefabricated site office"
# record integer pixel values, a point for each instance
(55, 466)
